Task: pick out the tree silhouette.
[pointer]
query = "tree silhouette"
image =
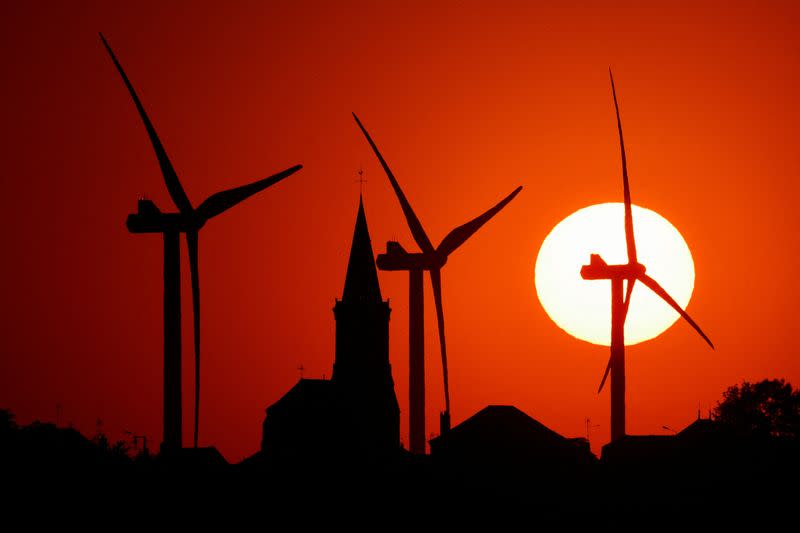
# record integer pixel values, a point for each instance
(766, 408)
(101, 441)
(8, 430)
(7, 423)
(118, 449)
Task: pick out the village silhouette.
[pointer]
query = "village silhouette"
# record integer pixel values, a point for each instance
(345, 431)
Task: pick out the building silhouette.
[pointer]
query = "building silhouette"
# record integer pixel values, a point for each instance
(705, 448)
(502, 442)
(354, 414)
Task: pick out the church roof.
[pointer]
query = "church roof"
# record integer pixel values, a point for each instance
(361, 282)
(306, 394)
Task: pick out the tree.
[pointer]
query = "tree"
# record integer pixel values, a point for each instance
(766, 408)
(7, 422)
(120, 449)
(8, 427)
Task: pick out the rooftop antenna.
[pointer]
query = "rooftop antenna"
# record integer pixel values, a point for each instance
(58, 414)
(301, 368)
(589, 426)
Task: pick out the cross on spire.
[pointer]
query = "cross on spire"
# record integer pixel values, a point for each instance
(361, 181)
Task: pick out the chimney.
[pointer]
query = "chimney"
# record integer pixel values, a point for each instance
(444, 422)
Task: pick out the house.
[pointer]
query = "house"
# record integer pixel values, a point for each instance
(501, 441)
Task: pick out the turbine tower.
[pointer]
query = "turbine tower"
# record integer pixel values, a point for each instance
(431, 259)
(188, 220)
(633, 271)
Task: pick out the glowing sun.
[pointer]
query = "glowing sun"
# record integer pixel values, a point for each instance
(581, 307)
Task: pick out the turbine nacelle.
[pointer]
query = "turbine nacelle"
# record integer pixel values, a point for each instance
(397, 258)
(599, 269)
(157, 222)
(150, 219)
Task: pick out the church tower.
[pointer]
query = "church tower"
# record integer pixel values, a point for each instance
(362, 373)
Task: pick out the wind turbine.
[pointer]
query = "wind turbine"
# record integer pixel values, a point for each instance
(631, 272)
(189, 220)
(430, 259)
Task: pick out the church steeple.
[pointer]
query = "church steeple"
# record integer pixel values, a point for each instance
(361, 281)
(361, 371)
(354, 416)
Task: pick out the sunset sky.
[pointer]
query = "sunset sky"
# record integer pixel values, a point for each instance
(466, 100)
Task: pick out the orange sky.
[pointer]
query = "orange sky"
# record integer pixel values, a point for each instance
(466, 101)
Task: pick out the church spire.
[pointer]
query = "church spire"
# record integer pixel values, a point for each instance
(361, 282)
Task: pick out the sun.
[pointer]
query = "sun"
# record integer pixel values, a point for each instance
(581, 307)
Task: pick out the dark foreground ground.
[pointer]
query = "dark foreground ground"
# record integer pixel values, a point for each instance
(48, 471)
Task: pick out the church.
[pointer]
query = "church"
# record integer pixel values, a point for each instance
(354, 414)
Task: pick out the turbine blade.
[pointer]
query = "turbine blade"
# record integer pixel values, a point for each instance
(626, 189)
(174, 186)
(192, 243)
(625, 305)
(605, 375)
(458, 236)
(436, 281)
(413, 222)
(627, 301)
(222, 201)
(656, 288)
